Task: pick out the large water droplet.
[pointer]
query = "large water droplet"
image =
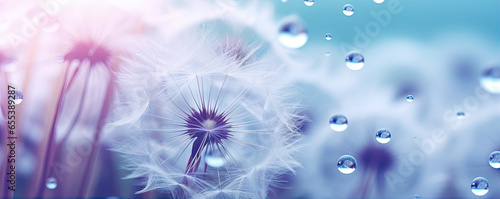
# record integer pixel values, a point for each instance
(495, 159)
(309, 2)
(328, 36)
(378, 1)
(354, 61)
(490, 80)
(383, 136)
(213, 157)
(51, 183)
(346, 164)
(18, 97)
(409, 98)
(479, 186)
(460, 115)
(338, 123)
(293, 35)
(348, 10)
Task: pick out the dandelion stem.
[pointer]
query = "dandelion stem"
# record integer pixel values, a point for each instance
(79, 110)
(97, 137)
(49, 149)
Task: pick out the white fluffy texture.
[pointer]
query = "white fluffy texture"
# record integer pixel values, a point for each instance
(202, 68)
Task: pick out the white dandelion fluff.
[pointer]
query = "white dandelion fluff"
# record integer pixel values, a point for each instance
(213, 117)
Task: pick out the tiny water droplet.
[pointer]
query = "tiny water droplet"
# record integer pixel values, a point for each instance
(378, 1)
(495, 159)
(60, 59)
(490, 80)
(18, 97)
(213, 157)
(416, 195)
(327, 54)
(409, 98)
(328, 36)
(479, 186)
(309, 2)
(338, 123)
(293, 35)
(383, 136)
(348, 10)
(460, 115)
(354, 61)
(51, 183)
(346, 164)
(284, 1)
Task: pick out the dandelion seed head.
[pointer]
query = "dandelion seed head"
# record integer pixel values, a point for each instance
(90, 51)
(207, 123)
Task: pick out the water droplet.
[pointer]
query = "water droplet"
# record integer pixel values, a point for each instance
(284, 1)
(460, 115)
(309, 2)
(327, 54)
(490, 80)
(293, 35)
(60, 59)
(18, 97)
(51, 183)
(338, 123)
(213, 157)
(416, 195)
(383, 136)
(355, 61)
(348, 10)
(409, 98)
(346, 164)
(495, 159)
(479, 186)
(328, 36)
(378, 1)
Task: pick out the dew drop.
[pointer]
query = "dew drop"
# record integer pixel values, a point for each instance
(51, 183)
(348, 10)
(338, 123)
(479, 186)
(60, 59)
(18, 97)
(378, 1)
(327, 54)
(346, 164)
(460, 115)
(213, 157)
(354, 61)
(328, 36)
(383, 136)
(490, 80)
(495, 159)
(416, 195)
(293, 35)
(309, 2)
(284, 1)
(409, 98)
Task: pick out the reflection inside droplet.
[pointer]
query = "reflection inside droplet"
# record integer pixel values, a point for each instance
(51, 183)
(338, 123)
(479, 186)
(346, 164)
(354, 61)
(348, 10)
(293, 35)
